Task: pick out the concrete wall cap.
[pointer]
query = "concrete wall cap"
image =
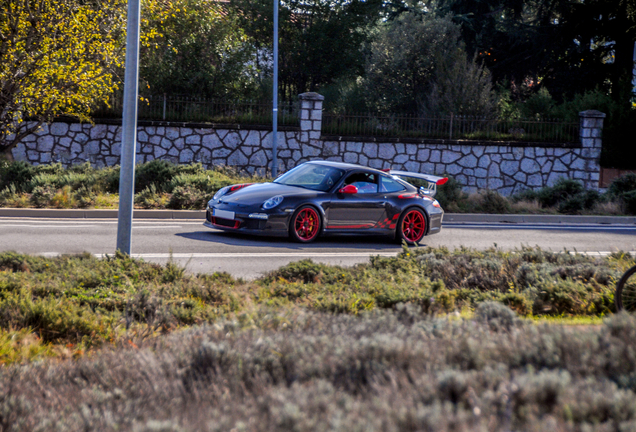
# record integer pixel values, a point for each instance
(311, 96)
(592, 113)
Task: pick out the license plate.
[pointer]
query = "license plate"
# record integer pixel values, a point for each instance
(223, 214)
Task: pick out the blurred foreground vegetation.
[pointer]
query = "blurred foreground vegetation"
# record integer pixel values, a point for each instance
(65, 306)
(160, 184)
(314, 347)
(428, 340)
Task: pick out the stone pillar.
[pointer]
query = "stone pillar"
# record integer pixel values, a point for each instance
(591, 133)
(310, 118)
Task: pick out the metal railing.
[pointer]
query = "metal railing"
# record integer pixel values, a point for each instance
(193, 109)
(451, 127)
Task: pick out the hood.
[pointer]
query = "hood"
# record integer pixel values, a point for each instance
(258, 193)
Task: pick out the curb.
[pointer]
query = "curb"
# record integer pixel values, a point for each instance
(100, 214)
(449, 218)
(459, 218)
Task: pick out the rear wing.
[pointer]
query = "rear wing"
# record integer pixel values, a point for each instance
(432, 181)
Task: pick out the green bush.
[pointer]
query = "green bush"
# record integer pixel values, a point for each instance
(450, 195)
(562, 190)
(42, 195)
(629, 201)
(621, 185)
(188, 197)
(18, 173)
(157, 172)
(525, 195)
(492, 202)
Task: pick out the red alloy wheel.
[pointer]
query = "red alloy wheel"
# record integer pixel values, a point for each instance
(306, 224)
(413, 226)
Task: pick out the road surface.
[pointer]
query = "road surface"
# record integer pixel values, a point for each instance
(201, 249)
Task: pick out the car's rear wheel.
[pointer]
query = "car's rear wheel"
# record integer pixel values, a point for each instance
(305, 224)
(411, 226)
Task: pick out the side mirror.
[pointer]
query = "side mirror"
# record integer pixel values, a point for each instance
(349, 189)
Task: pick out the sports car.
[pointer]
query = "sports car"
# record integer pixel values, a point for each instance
(324, 198)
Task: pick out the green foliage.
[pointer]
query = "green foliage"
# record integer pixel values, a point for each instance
(622, 185)
(200, 51)
(460, 87)
(324, 46)
(56, 58)
(493, 203)
(157, 172)
(404, 59)
(275, 370)
(17, 173)
(450, 195)
(188, 197)
(569, 195)
(165, 185)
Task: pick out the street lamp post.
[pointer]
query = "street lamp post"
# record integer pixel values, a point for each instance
(275, 104)
(129, 130)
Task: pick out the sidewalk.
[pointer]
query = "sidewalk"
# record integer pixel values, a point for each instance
(449, 218)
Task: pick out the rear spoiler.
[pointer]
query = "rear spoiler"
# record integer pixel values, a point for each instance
(432, 181)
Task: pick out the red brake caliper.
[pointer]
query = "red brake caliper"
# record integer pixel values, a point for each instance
(305, 224)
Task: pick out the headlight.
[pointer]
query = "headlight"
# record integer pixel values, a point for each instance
(220, 193)
(272, 202)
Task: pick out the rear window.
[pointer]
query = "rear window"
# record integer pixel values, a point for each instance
(387, 184)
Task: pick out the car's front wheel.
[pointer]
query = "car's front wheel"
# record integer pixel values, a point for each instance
(305, 224)
(412, 226)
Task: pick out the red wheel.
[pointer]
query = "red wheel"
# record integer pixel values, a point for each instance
(412, 226)
(305, 224)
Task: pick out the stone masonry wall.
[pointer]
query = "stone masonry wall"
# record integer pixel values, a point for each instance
(505, 167)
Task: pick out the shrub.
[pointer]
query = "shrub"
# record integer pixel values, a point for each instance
(498, 316)
(562, 190)
(491, 202)
(188, 197)
(42, 196)
(85, 197)
(450, 195)
(18, 173)
(149, 198)
(621, 185)
(157, 172)
(525, 195)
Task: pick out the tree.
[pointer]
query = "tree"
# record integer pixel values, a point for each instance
(417, 63)
(199, 50)
(57, 57)
(569, 45)
(320, 40)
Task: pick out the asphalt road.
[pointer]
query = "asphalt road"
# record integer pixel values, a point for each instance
(201, 249)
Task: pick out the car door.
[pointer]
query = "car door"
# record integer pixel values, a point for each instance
(357, 211)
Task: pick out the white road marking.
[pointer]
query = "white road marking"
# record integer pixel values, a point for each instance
(607, 227)
(84, 226)
(287, 254)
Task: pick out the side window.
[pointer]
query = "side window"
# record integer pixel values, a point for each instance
(387, 184)
(365, 182)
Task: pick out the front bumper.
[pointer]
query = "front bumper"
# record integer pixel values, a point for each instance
(248, 220)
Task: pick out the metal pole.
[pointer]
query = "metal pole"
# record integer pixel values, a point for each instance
(129, 130)
(275, 107)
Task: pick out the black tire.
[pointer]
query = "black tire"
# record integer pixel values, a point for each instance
(411, 226)
(305, 224)
(625, 297)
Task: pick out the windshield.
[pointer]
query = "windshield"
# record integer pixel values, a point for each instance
(311, 176)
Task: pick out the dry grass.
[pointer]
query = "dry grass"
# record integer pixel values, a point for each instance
(302, 371)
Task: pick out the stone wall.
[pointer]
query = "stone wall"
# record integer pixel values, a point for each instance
(506, 167)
